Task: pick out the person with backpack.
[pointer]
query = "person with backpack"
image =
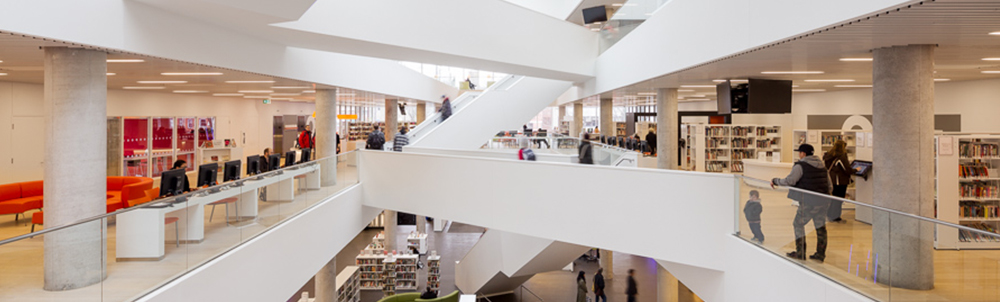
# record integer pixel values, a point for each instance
(445, 108)
(376, 139)
(525, 153)
(586, 150)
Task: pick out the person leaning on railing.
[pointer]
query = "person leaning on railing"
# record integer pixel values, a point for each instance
(810, 174)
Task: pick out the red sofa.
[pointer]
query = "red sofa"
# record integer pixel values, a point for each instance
(17, 198)
(125, 191)
(122, 192)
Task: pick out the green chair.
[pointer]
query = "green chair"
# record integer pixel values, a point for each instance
(452, 297)
(405, 297)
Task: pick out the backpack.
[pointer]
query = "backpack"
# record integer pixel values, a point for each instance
(376, 140)
(528, 154)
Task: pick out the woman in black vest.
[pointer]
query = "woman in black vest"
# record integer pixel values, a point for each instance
(809, 174)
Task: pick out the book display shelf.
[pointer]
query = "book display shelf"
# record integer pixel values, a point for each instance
(349, 285)
(967, 190)
(389, 276)
(434, 271)
(370, 269)
(406, 271)
(417, 241)
(726, 146)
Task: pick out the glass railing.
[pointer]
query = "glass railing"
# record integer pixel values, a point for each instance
(884, 254)
(123, 255)
(603, 155)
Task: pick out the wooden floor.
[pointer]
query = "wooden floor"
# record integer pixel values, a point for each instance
(21, 263)
(966, 275)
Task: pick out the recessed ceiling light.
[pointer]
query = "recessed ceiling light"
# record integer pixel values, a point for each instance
(345, 94)
(808, 90)
(696, 96)
(991, 59)
(281, 99)
(996, 33)
(857, 59)
(249, 82)
(256, 97)
(190, 91)
(110, 74)
(162, 82)
(142, 87)
(190, 73)
(852, 86)
(991, 71)
(618, 4)
(685, 90)
(698, 86)
(256, 91)
(941, 80)
(696, 100)
(290, 87)
(309, 91)
(795, 86)
(791, 72)
(285, 94)
(828, 80)
(2, 74)
(647, 93)
(125, 60)
(227, 94)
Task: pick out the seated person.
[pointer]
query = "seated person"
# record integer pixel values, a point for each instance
(429, 294)
(182, 164)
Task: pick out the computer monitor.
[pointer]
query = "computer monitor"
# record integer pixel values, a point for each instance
(306, 155)
(253, 164)
(289, 159)
(862, 168)
(231, 171)
(595, 14)
(274, 160)
(172, 182)
(207, 174)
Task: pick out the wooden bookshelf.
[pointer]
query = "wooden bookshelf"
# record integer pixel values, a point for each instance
(726, 146)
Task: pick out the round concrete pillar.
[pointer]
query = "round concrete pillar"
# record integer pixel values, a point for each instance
(326, 134)
(666, 129)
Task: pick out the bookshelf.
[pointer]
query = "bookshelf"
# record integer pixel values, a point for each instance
(620, 129)
(370, 269)
(406, 271)
(726, 146)
(389, 276)
(348, 285)
(417, 241)
(434, 271)
(968, 190)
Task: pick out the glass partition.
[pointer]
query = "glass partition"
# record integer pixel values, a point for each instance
(152, 243)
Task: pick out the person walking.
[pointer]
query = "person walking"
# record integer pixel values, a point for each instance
(306, 138)
(376, 139)
(840, 174)
(586, 150)
(651, 141)
(445, 108)
(631, 290)
(581, 287)
(400, 140)
(599, 286)
(808, 174)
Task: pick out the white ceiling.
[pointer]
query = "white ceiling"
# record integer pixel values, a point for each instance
(960, 28)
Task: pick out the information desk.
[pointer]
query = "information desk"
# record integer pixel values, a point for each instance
(765, 170)
(141, 233)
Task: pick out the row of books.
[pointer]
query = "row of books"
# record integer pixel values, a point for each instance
(977, 149)
(742, 154)
(832, 138)
(741, 131)
(715, 166)
(766, 143)
(716, 142)
(715, 154)
(979, 211)
(973, 170)
(717, 131)
(967, 236)
(737, 167)
(978, 190)
(742, 143)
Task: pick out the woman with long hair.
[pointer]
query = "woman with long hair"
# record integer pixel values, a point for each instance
(581, 287)
(840, 175)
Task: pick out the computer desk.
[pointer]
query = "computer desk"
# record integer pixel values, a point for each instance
(141, 233)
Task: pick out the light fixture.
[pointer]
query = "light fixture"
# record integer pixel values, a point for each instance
(852, 86)
(685, 90)
(125, 60)
(190, 91)
(256, 91)
(249, 82)
(739, 81)
(647, 93)
(1, 61)
(286, 94)
(718, 81)
(309, 91)
(281, 99)
(856, 59)
(190, 73)
(697, 86)
(791, 72)
(696, 96)
(618, 4)
(795, 86)
(345, 94)
(256, 97)
(290, 87)
(828, 80)
(991, 71)
(696, 100)
(2, 74)
(143, 87)
(996, 33)
(110, 74)
(808, 90)
(941, 80)
(227, 94)
(162, 82)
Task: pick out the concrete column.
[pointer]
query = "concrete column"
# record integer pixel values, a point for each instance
(607, 118)
(903, 116)
(666, 129)
(391, 119)
(421, 112)
(576, 127)
(608, 263)
(326, 282)
(560, 118)
(326, 134)
(75, 165)
(390, 230)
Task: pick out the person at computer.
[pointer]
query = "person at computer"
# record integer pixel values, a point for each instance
(182, 164)
(267, 165)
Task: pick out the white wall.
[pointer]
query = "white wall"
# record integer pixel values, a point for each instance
(21, 105)
(274, 265)
(540, 155)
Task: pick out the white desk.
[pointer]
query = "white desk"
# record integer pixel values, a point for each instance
(141, 233)
(765, 170)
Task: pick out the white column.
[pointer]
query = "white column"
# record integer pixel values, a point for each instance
(903, 126)
(326, 134)
(608, 263)
(560, 117)
(75, 163)
(390, 230)
(326, 282)
(607, 118)
(391, 119)
(421, 112)
(576, 127)
(666, 128)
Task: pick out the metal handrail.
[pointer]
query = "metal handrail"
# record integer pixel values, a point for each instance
(524, 288)
(482, 296)
(865, 205)
(167, 200)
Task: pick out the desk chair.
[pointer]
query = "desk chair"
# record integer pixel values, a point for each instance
(225, 202)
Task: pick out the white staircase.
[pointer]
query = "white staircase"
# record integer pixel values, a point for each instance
(502, 261)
